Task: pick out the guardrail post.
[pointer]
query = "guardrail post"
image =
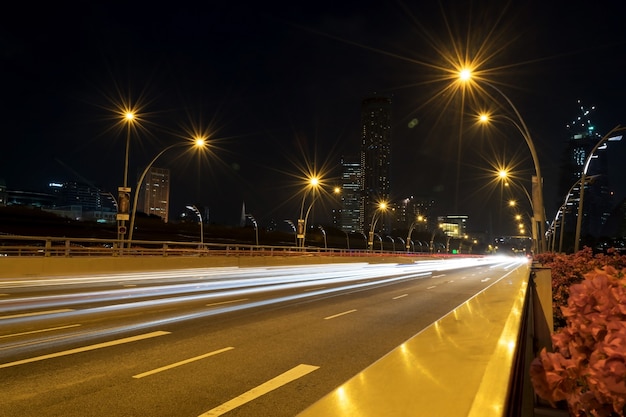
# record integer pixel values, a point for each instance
(48, 247)
(542, 328)
(67, 248)
(542, 306)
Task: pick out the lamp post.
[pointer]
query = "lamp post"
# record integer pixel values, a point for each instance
(579, 218)
(324, 234)
(347, 240)
(382, 206)
(195, 210)
(418, 219)
(256, 227)
(198, 142)
(123, 199)
(432, 239)
(559, 217)
(504, 176)
(465, 75)
(313, 183)
(293, 226)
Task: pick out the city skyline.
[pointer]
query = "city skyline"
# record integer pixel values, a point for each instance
(278, 92)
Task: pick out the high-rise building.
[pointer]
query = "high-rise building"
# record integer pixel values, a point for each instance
(350, 194)
(375, 159)
(597, 197)
(154, 194)
(414, 211)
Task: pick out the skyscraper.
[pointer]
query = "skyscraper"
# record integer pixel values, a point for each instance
(375, 157)
(350, 194)
(154, 194)
(597, 198)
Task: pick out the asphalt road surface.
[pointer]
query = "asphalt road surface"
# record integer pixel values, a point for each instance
(216, 341)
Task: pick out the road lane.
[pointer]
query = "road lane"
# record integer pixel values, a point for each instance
(267, 338)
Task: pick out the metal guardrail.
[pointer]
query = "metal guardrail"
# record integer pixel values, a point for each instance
(79, 247)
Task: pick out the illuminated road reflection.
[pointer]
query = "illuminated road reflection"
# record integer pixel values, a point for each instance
(43, 321)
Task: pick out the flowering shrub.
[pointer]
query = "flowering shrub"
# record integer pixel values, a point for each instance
(588, 366)
(567, 270)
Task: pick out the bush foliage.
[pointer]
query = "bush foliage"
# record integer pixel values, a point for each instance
(587, 368)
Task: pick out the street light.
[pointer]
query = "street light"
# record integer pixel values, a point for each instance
(537, 181)
(256, 227)
(198, 142)
(313, 183)
(579, 218)
(382, 206)
(293, 226)
(324, 234)
(559, 217)
(123, 199)
(418, 219)
(504, 176)
(195, 210)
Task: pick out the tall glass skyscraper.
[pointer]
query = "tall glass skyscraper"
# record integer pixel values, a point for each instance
(375, 158)
(350, 194)
(597, 203)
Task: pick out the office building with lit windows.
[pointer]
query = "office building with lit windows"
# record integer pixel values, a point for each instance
(375, 160)
(154, 194)
(350, 194)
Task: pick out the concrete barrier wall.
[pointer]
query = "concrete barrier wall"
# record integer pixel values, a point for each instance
(40, 266)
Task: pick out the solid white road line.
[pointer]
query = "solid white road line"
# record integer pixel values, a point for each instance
(339, 315)
(40, 331)
(400, 296)
(36, 313)
(85, 348)
(186, 361)
(282, 379)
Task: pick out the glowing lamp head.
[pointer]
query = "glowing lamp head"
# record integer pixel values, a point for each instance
(199, 142)
(465, 74)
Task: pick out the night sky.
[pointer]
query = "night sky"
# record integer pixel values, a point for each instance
(278, 88)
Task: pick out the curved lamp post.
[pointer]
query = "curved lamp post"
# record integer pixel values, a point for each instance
(197, 142)
(504, 176)
(195, 210)
(293, 226)
(382, 206)
(418, 219)
(256, 227)
(324, 234)
(313, 183)
(579, 218)
(559, 217)
(465, 75)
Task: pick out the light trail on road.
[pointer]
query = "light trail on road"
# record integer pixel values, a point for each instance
(212, 293)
